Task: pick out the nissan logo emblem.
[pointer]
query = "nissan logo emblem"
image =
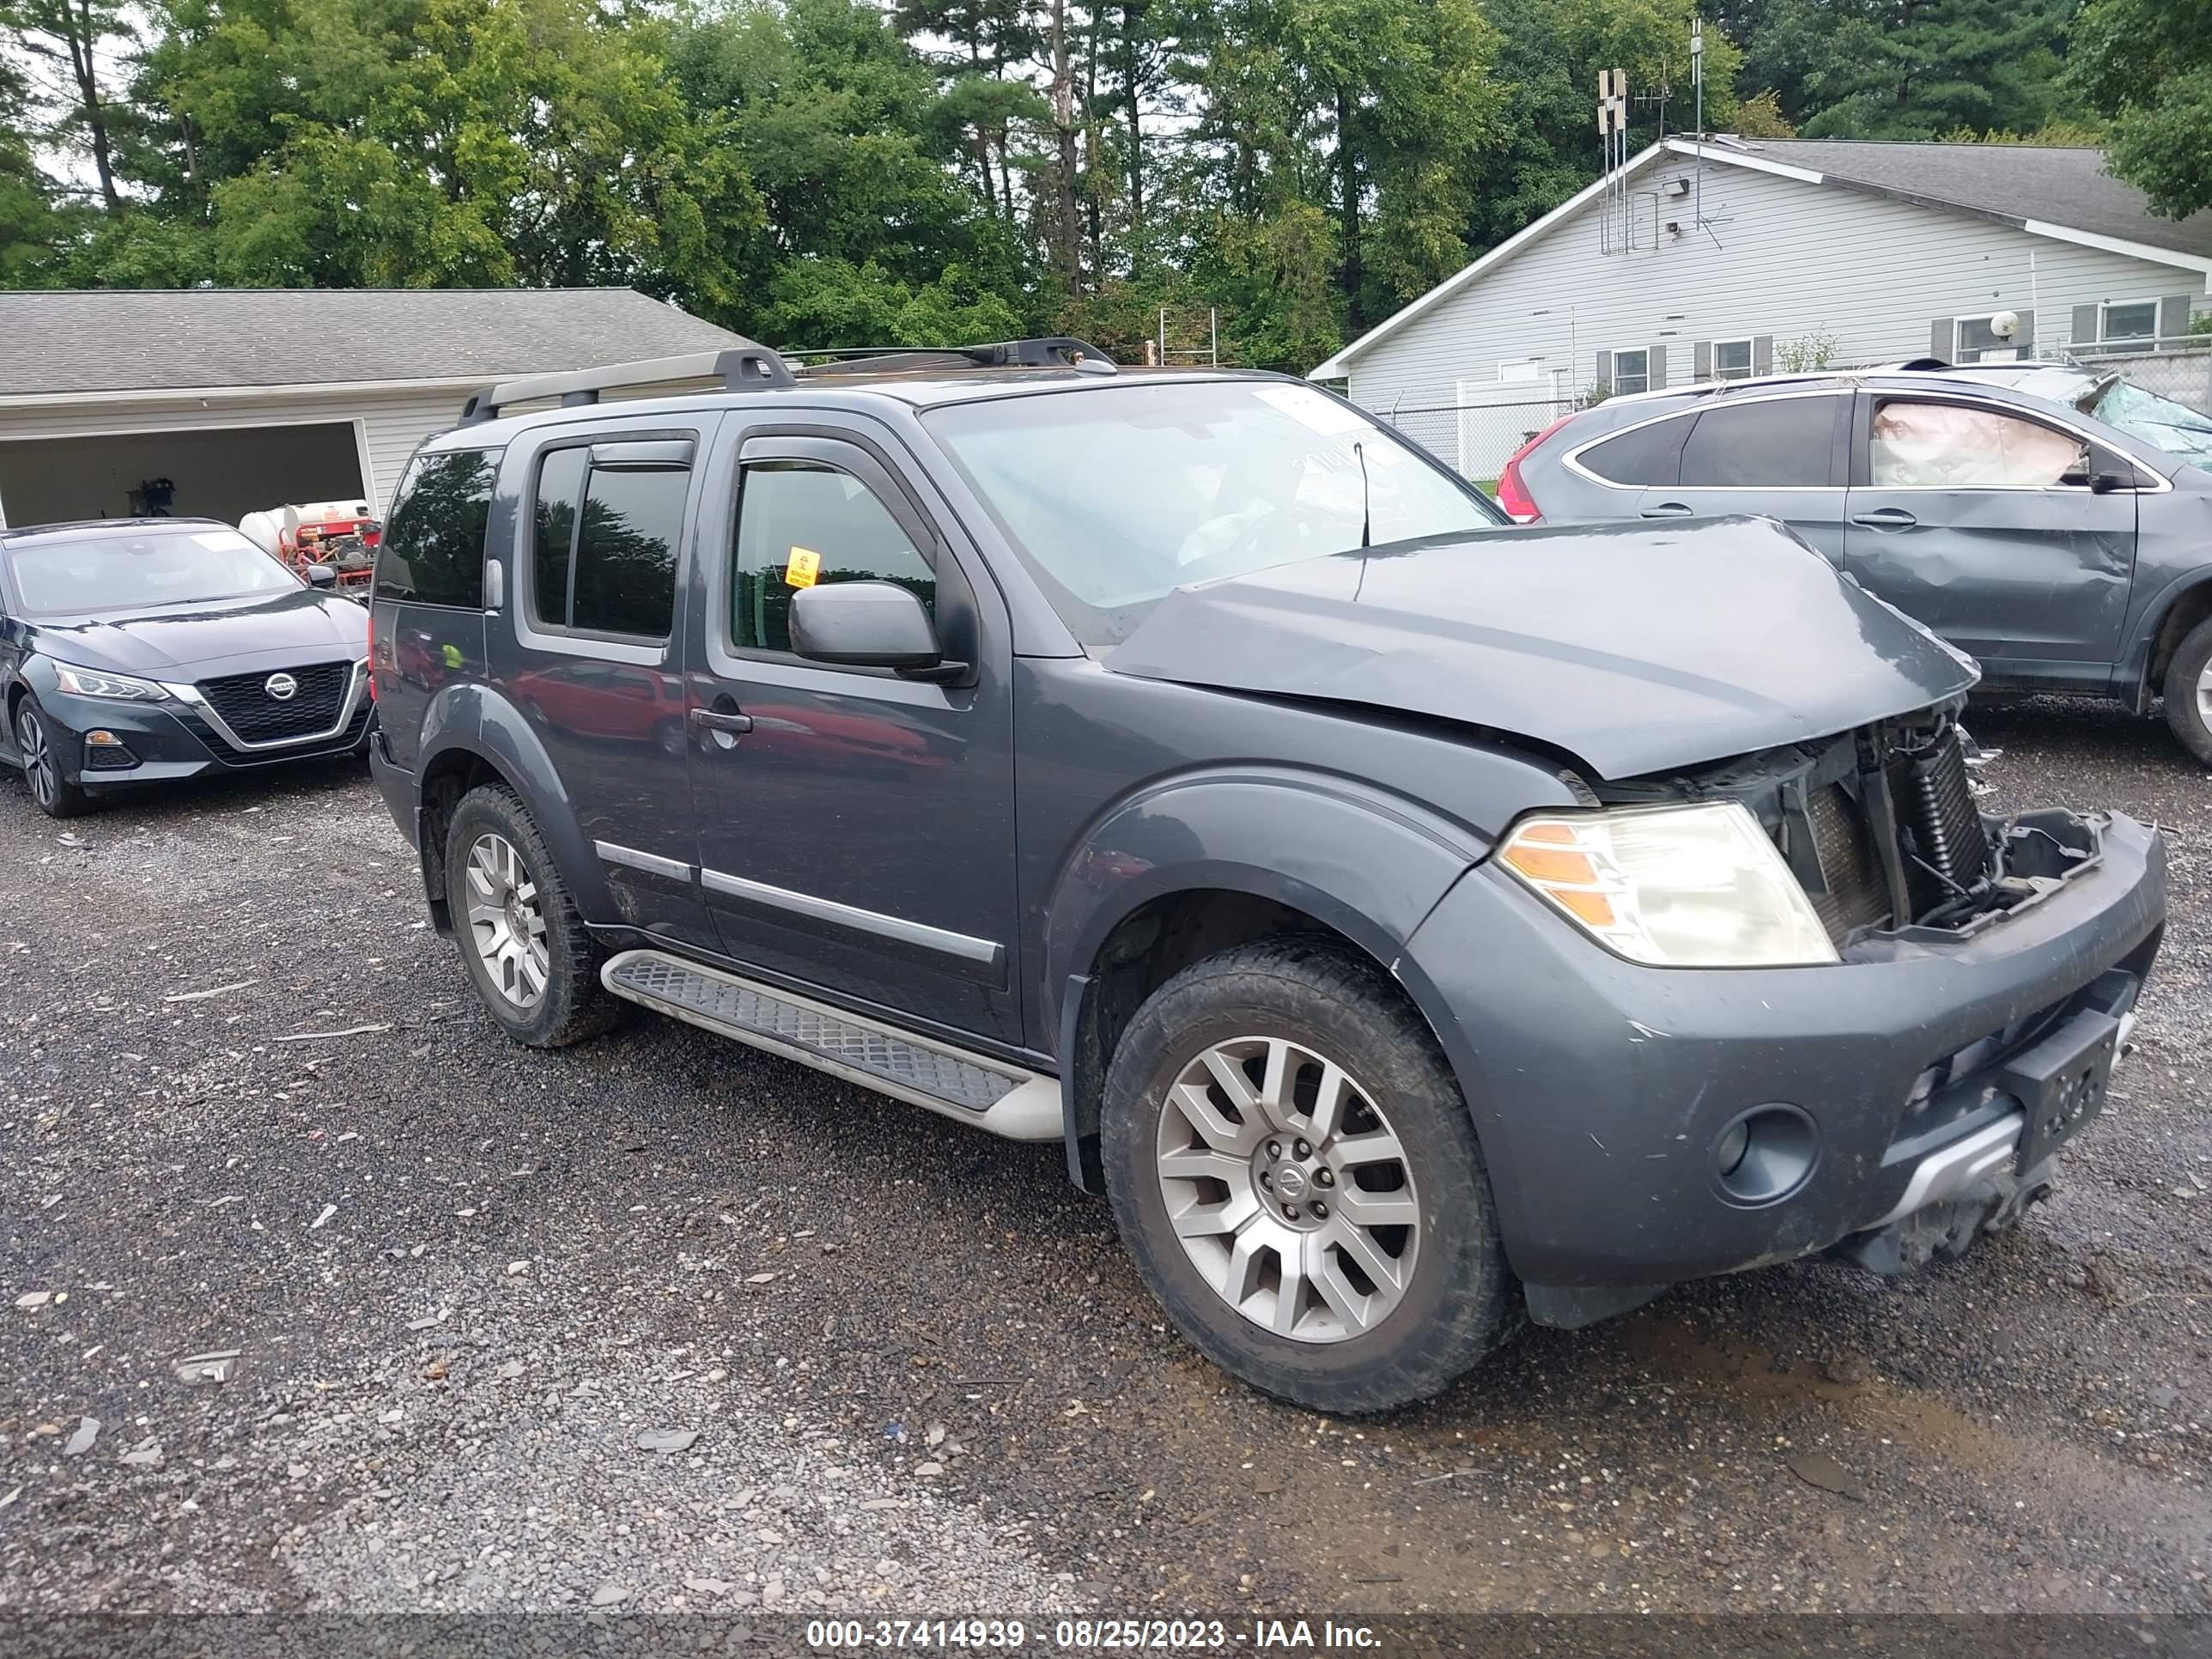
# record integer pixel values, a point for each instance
(281, 688)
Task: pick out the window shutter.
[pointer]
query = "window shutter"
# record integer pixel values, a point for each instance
(1701, 360)
(1658, 367)
(1943, 338)
(2173, 316)
(1762, 354)
(2085, 324)
(1605, 369)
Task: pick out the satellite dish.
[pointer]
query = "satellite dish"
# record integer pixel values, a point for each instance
(2005, 324)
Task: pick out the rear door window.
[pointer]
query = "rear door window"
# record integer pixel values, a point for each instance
(1645, 456)
(607, 528)
(433, 541)
(1773, 443)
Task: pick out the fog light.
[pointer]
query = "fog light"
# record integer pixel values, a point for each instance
(106, 752)
(1765, 1154)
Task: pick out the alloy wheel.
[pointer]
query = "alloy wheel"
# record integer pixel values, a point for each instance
(1288, 1189)
(2204, 695)
(505, 925)
(42, 770)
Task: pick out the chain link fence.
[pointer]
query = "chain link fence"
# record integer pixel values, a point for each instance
(2180, 369)
(1478, 439)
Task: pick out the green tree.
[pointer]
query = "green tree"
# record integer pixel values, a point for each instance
(417, 143)
(842, 129)
(2147, 65)
(1906, 68)
(78, 44)
(29, 225)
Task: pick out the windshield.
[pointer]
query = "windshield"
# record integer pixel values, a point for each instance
(144, 568)
(2174, 427)
(1119, 496)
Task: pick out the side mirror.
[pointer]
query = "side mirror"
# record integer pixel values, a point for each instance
(321, 575)
(872, 624)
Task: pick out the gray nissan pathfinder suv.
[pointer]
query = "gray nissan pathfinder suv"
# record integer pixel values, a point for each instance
(1405, 919)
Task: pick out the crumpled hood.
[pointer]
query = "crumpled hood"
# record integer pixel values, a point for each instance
(164, 641)
(1636, 648)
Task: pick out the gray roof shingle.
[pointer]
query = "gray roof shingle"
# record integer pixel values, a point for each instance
(2067, 188)
(138, 339)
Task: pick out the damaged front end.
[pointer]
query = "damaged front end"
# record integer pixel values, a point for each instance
(1882, 829)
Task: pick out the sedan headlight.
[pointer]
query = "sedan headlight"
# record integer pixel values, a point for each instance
(1673, 886)
(97, 683)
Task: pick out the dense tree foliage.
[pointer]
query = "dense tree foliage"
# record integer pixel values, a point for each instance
(839, 172)
(2148, 66)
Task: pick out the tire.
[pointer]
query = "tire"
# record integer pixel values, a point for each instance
(2188, 708)
(496, 861)
(1312, 1002)
(36, 736)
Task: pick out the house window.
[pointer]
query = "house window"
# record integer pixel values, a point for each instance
(1731, 360)
(1979, 343)
(1632, 372)
(2132, 325)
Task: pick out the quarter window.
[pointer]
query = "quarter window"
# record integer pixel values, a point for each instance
(1958, 446)
(433, 542)
(1649, 455)
(1775, 442)
(605, 539)
(1632, 372)
(1731, 360)
(801, 524)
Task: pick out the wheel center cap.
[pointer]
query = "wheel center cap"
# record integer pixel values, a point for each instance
(1291, 1182)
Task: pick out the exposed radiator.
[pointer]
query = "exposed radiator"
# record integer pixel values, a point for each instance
(1938, 822)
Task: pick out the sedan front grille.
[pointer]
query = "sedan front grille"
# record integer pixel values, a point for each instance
(247, 706)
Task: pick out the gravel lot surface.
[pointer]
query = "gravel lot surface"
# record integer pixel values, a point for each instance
(661, 1323)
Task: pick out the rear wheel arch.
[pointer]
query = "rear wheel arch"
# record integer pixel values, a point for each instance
(444, 781)
(473, 736)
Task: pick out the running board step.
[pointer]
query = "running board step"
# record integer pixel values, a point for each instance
(987, 1093)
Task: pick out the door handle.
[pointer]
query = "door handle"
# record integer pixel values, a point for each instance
(716, 720)
(1669, 510)
(1886, 518)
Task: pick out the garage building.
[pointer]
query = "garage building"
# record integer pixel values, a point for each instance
(217, 403)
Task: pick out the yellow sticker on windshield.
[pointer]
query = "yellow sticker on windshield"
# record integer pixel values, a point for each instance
(802, 567)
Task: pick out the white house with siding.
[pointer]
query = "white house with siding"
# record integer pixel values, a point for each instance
(1735, 256)
(244, 399)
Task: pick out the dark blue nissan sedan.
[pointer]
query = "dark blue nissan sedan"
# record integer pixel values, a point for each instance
(138, 650)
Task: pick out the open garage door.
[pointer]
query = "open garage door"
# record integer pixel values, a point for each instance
(216, 472)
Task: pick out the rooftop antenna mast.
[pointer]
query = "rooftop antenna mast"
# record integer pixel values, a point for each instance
(1612, 225)
(1697, 89)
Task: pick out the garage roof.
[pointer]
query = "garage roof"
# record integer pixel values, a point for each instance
(134, 340)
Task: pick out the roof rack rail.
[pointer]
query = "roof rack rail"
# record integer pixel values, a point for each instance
(1046, 351)
(745, 367)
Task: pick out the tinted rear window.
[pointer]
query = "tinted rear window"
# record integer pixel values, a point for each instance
(434, 541)
(1647, 455)
(1775, 442)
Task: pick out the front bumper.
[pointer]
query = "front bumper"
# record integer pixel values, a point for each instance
(1600, 1088)
(179, 737)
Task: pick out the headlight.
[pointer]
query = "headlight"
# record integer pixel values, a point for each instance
(93, 683)
(1674, 886)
